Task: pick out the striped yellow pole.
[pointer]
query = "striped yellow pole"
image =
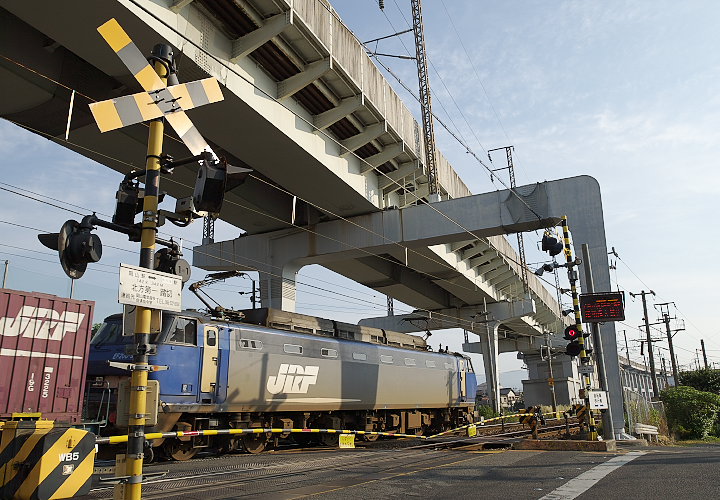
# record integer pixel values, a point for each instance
(584, 357)
(138, 386)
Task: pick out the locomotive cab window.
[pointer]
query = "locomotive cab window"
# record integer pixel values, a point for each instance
(184, 331)
(293, 349)
(211, 338)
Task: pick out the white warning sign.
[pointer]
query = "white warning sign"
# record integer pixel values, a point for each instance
(149, 288)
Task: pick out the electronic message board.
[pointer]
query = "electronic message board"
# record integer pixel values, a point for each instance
(602, 307)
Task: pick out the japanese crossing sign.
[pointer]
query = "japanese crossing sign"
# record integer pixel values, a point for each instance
(598, 400)
(149, 288)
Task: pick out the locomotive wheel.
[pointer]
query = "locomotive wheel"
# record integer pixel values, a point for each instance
(254, 443)
(371, 437)
(179, 450)
(150, 455)
(331, 440)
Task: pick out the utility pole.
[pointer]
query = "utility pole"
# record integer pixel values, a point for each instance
(702, 344)
(665, 311)
(425, 99)
(390, 306)
(597, 343)
(5, 274)
(653, 375)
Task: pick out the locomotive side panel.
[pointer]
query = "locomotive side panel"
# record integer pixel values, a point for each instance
(273, 371)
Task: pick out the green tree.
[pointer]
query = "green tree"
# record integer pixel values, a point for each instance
(706, 380)
(691, 413)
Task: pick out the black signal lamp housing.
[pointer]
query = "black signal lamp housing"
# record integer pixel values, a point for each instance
(551, 245)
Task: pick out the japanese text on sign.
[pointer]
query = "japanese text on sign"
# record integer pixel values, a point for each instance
(598, 400)
(602, 307)
(149, 288)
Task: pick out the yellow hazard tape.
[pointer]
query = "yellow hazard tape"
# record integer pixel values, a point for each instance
(258, 430)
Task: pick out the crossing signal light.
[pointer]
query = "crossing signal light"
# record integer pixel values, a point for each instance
(76, 245)
(573, 349)
(168, 261)
(572, 333)
(214, 179)
(551, 245)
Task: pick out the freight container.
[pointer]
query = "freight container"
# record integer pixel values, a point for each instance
(44, 342)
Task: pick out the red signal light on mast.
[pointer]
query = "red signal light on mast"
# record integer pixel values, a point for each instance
(572, 333)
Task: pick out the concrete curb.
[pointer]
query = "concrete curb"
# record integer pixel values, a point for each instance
(564, 445)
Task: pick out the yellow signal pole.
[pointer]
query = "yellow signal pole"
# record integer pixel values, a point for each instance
(138, 386)
(584, 357)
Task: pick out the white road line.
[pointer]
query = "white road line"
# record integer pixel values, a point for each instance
(579, 485)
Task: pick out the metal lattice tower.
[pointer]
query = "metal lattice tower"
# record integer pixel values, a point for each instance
(425, 99)
(208, 230)
(521, 242)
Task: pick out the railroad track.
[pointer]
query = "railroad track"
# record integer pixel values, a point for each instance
(249, 475)
(500, 440)
(295, 468)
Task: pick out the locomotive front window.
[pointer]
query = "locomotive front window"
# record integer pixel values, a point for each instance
(184, 331)
(109, 333)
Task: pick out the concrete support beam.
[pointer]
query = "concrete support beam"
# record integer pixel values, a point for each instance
(273, 26)
(388, 183)
(388, 153)
(416, 226)
(178, 5)
(474, 251)
(359, 140)
(421, 191)
(312, 72)
(334, 115)
(470, 317)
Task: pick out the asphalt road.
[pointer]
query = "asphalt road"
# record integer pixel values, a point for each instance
(676, 473)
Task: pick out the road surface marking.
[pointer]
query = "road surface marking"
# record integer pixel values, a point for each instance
(580, 484)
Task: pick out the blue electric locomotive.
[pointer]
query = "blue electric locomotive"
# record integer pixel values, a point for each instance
(285, 370)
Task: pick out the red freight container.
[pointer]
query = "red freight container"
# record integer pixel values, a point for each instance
(44, 342)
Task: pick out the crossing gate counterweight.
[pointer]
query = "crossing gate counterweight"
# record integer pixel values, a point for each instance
(40, 460)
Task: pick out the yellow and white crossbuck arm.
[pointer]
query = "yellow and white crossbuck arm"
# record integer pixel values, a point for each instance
(158, 99)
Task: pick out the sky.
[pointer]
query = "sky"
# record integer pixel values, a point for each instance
(624, 91)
